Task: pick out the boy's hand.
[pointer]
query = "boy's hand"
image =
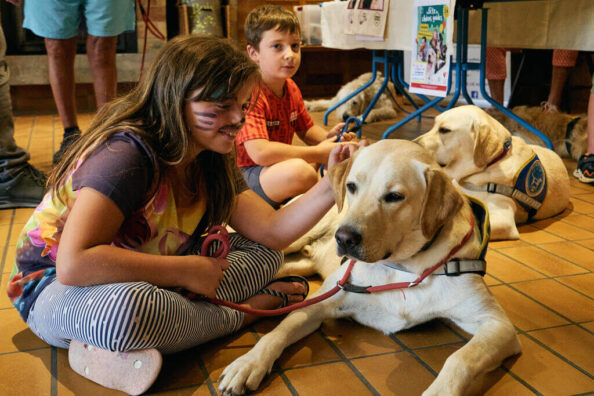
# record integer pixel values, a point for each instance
(347, 137)
(335, 130)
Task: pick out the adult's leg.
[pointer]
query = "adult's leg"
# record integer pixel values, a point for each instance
(61, 54)
(496, 72)
(563, 61)
(101, 52)
(20, 183)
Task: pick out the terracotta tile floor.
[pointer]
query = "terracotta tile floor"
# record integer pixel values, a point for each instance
(544, 281)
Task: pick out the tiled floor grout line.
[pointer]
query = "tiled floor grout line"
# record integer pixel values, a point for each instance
(547, 276)
(413, 354)
(551, 350)
(31, 130)
(578, 324)
(349, 364)
(54, 371)
(572, 322)
(4, 252)
(25, 350)
(277, 368)
(207, 381)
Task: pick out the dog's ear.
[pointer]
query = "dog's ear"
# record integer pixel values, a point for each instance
(338, 174)
(489, 137)
(442, 201)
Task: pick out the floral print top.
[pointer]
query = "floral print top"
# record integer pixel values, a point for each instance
(123, 170)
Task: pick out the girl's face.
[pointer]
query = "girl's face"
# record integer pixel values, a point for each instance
(214, 125)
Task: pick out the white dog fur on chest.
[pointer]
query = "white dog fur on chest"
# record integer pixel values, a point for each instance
(399, 200)
(469, 144)
(383, 109)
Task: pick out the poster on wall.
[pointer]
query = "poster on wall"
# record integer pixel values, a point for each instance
(432, 46)
(366, 18)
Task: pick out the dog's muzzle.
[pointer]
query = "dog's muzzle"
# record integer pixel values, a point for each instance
(348, 241)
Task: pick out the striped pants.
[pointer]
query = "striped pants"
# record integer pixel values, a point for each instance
(138, 315)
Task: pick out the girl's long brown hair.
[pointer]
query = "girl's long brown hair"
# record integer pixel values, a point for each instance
(154, 109)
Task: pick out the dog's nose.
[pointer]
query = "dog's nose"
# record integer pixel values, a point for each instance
(345, 116)
(347, 238)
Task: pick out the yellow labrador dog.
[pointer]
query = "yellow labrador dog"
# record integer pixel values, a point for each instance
(517, 181)
(356, 106)
(405, 218)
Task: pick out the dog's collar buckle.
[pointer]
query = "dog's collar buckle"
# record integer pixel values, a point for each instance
(349, 287)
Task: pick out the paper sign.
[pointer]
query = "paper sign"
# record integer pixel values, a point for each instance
(366, 18)
(432, 47)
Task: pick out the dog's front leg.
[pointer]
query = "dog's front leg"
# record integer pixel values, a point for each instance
(494, 341)
(502, 218)
(247, 371)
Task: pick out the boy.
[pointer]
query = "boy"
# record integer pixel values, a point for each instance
(274, 168)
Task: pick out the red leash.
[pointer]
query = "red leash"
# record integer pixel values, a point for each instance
(219, 233)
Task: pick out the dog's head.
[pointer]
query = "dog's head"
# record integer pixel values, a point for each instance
(358, 103)
(464, 140)
(398, 197)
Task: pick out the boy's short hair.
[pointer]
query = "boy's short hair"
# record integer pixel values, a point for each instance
(269, 17)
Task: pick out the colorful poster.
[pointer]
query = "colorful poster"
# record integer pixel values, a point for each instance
(432, 47)
(366, 18)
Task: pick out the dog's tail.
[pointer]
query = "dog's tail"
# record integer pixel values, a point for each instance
(318, 105)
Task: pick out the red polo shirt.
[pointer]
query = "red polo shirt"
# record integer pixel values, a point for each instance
(273, 118)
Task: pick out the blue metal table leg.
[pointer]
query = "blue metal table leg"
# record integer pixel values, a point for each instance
(489, 99)
(384, 59)
(373, 76)
(410, 117)
(464, 46)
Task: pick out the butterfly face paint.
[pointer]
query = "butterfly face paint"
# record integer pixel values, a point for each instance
(214, 125)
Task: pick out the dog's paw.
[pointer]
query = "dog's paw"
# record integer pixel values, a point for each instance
(245, 373)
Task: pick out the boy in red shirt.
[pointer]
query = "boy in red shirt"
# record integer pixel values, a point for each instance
(274, 168)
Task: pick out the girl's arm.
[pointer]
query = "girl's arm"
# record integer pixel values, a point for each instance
(277, 229)
(86, 257)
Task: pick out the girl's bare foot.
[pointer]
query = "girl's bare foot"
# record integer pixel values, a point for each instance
(294, 290)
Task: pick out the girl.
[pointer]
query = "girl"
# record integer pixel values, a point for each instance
(99, 262)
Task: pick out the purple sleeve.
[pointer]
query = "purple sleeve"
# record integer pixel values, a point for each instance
(122, 169)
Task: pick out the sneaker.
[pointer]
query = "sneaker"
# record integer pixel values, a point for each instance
(24, 190)
(67, 141)
(585, 169)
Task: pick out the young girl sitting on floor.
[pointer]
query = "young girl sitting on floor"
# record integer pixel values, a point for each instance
(100, 263)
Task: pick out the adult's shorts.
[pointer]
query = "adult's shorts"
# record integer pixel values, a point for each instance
(60, 19)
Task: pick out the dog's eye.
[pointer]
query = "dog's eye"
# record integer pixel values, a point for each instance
(351, 187)
(444, 130)
(354, 102)
(393, 197)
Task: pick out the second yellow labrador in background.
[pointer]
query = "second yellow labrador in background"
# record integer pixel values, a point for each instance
(516, 180)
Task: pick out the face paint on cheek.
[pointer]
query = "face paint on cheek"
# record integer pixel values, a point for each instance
(206, 120)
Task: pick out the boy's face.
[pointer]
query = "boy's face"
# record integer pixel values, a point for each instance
(214, 125)
(279, 55)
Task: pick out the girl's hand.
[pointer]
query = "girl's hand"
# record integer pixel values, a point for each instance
(335, 130)
(344, 151)
(203, 275)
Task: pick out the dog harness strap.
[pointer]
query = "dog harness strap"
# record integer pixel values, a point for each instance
(455, 267)
(428, 271)
(568, 131)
